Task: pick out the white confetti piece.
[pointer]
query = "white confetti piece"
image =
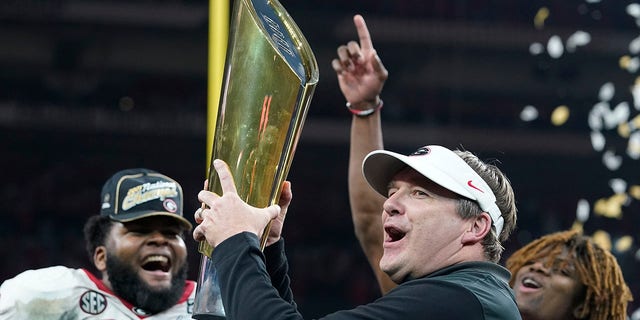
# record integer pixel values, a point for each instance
(618, 185)
(607, 91)
(596, 115)
(577, 39)
(611, 161)
(536, 48)
(555, 47)
(597, 141)
(633, 10)
(529, 113)
(634, 45)
(582, 210)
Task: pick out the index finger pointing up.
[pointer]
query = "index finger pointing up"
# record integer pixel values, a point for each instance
(225, 177)
(363, 33)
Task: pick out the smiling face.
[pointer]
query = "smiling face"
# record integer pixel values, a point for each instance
(423, 231)
(548, 289)
(151, 247)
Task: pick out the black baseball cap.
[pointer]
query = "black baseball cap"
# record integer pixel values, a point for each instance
(138, 193)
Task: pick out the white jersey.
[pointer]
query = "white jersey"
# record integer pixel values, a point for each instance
(69, 294)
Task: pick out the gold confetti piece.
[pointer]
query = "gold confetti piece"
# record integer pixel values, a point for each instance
(624, 130)
(603, 239)
(624, 62)
(541, 16)
(634, 191)
(560, 115)
(624, 244)
(611, 207)
(635, 122)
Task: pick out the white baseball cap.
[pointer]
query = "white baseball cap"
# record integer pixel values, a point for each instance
(439, 165)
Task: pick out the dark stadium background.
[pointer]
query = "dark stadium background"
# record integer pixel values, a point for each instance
(89, 87)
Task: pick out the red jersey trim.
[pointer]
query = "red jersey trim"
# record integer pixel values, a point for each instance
(188, 289)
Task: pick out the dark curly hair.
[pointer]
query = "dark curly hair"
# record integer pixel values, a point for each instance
(96, 230)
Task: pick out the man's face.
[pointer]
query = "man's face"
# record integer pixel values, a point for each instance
(422, 229)
(550, 290)
(146, 256)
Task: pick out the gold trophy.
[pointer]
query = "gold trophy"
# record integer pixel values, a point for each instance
(269, 80)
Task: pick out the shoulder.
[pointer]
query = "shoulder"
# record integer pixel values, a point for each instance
(475, 290)
(438, 298)
(474, 272)
(49, 292)
(487, 283)
(57, 277)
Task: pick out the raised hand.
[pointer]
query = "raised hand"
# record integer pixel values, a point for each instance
(361, 74)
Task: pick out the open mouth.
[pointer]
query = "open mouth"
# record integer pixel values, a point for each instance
(394, 234)
(156, 263)
(530, 283)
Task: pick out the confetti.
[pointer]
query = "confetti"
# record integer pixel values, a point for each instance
(529, 113)
(555, 47)
(578, 38)
(607, 91)
(536, 48)
(610, 207)
(635, 91)
(598, 140)
(634, 45)
(618, 185)
(603, 239)
(582, 210)
(628, 63)
(608, 116)
(634, 191)
(634, 10)
(560, 115)
(541, 16)
(633, 147)
(624, 130)
(624, 244)
(611, 160)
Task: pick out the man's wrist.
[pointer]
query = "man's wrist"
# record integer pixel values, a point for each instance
(365, 108)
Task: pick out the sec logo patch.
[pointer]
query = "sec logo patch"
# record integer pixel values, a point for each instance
(93, 302)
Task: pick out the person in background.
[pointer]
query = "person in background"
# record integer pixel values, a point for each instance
(136, 244)
(566, 275)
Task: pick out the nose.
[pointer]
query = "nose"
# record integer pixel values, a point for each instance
(157, 238)
(392, 206)
(538, 266)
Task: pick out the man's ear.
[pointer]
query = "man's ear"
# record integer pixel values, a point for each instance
(478, 229)
(100, 258)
